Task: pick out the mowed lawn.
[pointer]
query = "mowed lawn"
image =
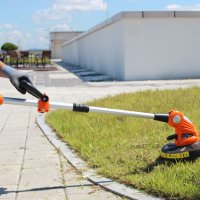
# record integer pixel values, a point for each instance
(126, 149)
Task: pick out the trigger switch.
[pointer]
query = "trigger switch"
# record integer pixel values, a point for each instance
(172, 137)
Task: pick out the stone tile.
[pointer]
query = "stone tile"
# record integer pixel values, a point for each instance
(7, 192)
(42, 194)
(9, 178)
(90, 193)
(41, 162)
(11, 160)
(12, 140)
(79, 188)
(40, 177)
(40, 153)
(9, 169)
(11, 146)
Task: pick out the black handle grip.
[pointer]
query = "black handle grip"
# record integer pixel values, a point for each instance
(33, 91)
(161, 117)
(172, 137)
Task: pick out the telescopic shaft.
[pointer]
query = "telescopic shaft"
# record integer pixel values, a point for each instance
(43, 105)
(84, 108)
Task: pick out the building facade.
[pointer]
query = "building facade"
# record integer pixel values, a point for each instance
(58, 38)
(140, 46)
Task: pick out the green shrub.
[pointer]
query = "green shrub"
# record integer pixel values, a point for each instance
(9, 46)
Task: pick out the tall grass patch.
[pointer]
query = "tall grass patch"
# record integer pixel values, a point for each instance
(127, 149)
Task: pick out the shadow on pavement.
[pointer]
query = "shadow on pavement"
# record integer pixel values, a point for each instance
(3, 191)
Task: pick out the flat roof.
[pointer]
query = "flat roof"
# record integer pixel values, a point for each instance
(137, 15)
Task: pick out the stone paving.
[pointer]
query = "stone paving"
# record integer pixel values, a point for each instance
(30, 167)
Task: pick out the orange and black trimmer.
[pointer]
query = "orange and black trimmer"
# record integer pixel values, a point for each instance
(187, 141)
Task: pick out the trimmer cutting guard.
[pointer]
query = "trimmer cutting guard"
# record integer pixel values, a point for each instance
(171, 151)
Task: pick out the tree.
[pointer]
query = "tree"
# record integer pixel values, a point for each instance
(8, 46)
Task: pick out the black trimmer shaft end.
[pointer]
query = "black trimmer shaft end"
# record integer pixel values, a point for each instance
(33, 91)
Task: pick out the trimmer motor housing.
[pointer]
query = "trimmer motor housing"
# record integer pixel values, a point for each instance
(187, 141)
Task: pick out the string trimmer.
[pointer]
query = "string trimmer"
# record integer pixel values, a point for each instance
(187, 141)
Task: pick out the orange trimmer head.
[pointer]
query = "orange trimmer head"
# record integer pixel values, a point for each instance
(187, 141)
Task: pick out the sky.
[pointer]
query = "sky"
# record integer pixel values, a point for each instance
(27, 23)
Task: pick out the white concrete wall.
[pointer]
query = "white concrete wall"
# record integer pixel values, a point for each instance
(162, 48)
(102, 51)
(140, 46)
(70, 54)
(59, 38)
(56, 48)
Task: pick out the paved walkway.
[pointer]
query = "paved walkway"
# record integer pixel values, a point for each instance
(30, 168)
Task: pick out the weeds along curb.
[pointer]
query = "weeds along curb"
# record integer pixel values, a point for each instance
(108, 184)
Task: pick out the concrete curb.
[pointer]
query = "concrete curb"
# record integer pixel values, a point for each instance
(108, 184)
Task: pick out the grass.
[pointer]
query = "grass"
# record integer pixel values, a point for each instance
(127, 149)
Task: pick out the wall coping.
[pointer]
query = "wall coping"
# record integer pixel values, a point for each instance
(54, 34)
(136, 15)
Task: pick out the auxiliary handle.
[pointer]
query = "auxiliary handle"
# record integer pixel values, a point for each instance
(33, 91)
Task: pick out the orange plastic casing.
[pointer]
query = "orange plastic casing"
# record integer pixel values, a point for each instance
(186, 131)
(43, 106)
(1, 100)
